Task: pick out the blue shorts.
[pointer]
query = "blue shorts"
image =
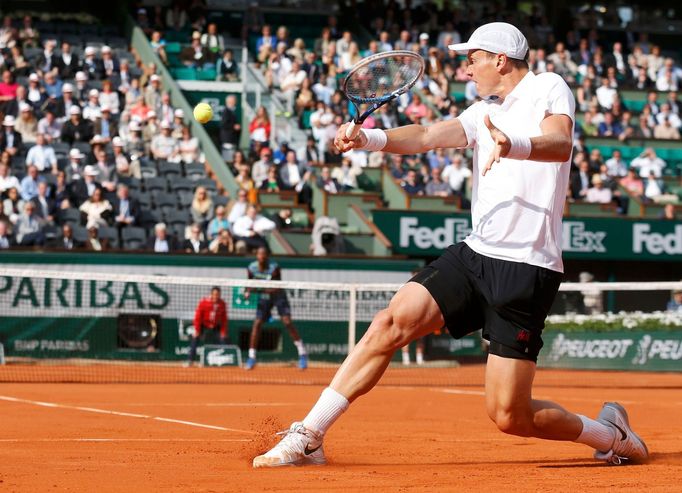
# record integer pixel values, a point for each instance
(265, 305)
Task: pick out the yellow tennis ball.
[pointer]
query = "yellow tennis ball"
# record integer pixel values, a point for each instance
(203, 113)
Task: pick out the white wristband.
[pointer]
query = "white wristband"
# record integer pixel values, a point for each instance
(376, 139)
(520, 146)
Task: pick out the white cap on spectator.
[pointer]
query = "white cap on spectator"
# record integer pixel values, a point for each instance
(67, 88)
(76, 154)
(117, 142)
(495, 37)
(179, 113)
(151, 114)
(424, 36)
(75, 110)
(90, 170)
(34, 77)
(8, 121)
(196, 35)
(97, 139)
(134, 126)
(80, 75)
(90, 50)
(165, 124)
(154, 78)
(24, 107)
(106, 49)
(105, 107)
(94, 93)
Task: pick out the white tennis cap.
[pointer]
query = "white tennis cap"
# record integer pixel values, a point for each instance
(495, 37)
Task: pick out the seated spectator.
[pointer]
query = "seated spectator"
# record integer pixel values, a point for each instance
(29, 184)
(633, 183)
(226, 67)
(28, 228)
(188, 146)
(124, 167)
(67, 62)
(158, 44)
(13, 205)
(251, 228)
(92, 66)
(647, 162)
(164, 146)
(66, 241)
(326, 182)
(239, 207)
(259, 128)
(42, 156)
(397, 167)
(194, 244)
(456, 175)
(62, 192)
(6, 238)
(222, 243)
(7, 180)
(616, 166)
(245, 182)
(580, 181)
(10, 139)
(653, 187)
(282, 219)
(126, 210)
(272, 182)
(8, 88)
(196, 55)
(161, 242)
(45, 207)
(104, 168)
(77, 129)
(411, 185)
(73, 167)
(291, 172)
(53, 85)
(436, 186)
(218, 222)
(105, 125)
(26, 124)
(346, 175)
(666, 114)
(588, 127)
(606, 94)
(202, 207)
(598, 193)
(50, 126)
(609, 127)
(97, 210)
(665, 130)
(416, 110)
(81, 89)
(93, 241)
(82, 189)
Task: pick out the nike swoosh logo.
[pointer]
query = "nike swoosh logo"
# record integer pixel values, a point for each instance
(308, 451)
(622, 432)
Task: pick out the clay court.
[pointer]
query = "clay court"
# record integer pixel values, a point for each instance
(184, 437)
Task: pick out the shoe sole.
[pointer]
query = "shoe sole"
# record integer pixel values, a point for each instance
(262, 461)
(624, 416)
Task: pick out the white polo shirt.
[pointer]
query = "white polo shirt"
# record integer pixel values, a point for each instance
(516, 208)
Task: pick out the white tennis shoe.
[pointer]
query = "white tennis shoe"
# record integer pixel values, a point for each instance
(627, 444)
(299, 447)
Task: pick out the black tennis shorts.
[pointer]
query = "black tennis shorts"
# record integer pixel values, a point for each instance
(508, 300)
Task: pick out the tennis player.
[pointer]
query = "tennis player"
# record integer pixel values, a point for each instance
(265, 269)
(503, 277)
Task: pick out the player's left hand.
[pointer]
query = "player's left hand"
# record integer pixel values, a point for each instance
(502, 144)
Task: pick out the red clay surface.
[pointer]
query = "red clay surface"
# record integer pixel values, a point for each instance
(393, 439)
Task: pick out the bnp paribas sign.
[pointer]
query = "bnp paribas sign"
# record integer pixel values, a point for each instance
(428, 233)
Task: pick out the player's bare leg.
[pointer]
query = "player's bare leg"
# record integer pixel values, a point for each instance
(253, 343)
(300, 347)
(411, 313)
(509, 402)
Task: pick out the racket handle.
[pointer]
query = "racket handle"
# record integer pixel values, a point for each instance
(352, 130)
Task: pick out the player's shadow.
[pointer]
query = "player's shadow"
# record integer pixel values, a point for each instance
(654, 458)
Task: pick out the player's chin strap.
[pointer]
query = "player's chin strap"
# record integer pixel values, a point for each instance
(610, 458)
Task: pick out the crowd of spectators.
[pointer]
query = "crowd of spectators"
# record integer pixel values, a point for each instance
(85, 129)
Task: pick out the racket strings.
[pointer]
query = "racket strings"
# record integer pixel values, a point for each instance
(382, 77)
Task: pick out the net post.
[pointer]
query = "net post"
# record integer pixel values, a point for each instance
(353, 304)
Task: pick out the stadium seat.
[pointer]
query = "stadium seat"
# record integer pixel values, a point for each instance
(208, 184)
(185, 199)
(182, 185)
(170, 170)
(195, 171)
(174, 217)
(178, 231)
(149, 218)
(80, 234)
(134, 238)
(132, 182)
(153, 184)
(110, 234)
(220, 200)
(144, 198)
(71, 216)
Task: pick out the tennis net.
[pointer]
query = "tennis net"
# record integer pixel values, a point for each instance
(58, 326)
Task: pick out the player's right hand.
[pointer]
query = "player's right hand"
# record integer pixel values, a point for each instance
(345, 144)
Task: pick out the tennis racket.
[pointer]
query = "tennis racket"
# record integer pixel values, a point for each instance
(379, 79)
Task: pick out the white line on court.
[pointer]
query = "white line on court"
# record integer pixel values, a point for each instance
(106, 440)
(118, 413)
(211, 404)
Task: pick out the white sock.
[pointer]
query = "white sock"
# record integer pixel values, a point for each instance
(420, 358)
(406, 358)
(252, 353)
(595, 434)
(301, 347)
(329, 407)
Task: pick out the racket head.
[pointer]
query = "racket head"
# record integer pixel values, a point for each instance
(382, 77)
